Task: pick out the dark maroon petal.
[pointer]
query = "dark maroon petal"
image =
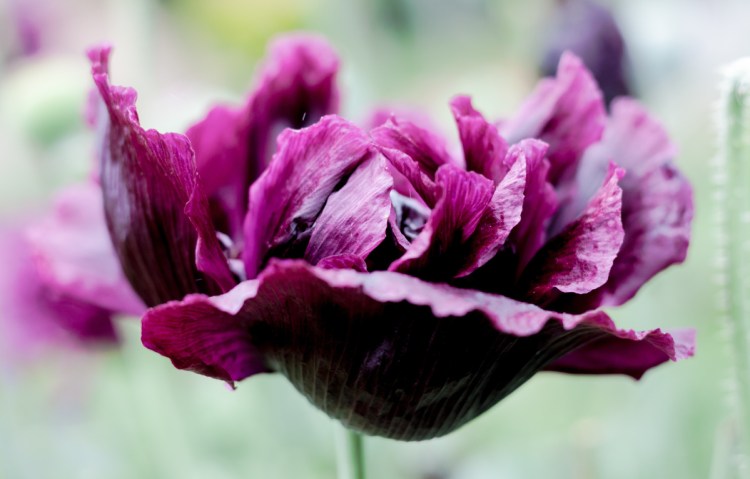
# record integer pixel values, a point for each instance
(579, 259)
(74, 255)
(657, 201)
(566, 112)
(205, 336)
(469, 224)
(539, 202)
(423, 146)
(355, 218)
(289, 196)
(296, 86)
(440, 252)
(627, 352)
(157, 216)
(484, 149)
(386, 354)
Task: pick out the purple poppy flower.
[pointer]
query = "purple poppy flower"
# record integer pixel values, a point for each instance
(63, 279)
(590, 31)
(401, 289)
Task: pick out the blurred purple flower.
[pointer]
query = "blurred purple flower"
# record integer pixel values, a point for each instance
(403, 290)
(588, 30)
(62, 281)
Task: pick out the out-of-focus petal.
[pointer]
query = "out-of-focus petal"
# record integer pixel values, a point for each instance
(73, 252)
(386, 354)
(355, 218)
(566, 112)
(289, 196)
(579, 259)
(156, 212)
(589, 30)
(296, 86)
(34, 315)
(657, 202)
(484, 149)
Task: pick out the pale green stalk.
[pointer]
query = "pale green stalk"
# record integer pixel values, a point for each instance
(734, 192)
(350, 454)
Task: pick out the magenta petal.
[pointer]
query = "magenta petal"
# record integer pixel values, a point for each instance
(539, 202)
(566, 112)
(157, 216)
(296, 86)
(355, 218)
(74, 254)
(425, 147)
(289, 196)
(657, 201)
(579, 259)
(484, 149)
(386, 354)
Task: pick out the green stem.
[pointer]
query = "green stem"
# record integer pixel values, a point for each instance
(736, 208)
(350, 452)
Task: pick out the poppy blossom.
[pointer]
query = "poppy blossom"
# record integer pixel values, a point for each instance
(401, 289)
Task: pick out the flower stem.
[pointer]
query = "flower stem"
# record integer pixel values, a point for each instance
(350, 452)
(735, 193)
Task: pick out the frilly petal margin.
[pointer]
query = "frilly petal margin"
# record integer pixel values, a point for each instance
(296, 86)
(388, 354)
(152, 196)
(289, 196)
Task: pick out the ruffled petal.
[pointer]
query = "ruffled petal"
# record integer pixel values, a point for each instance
(73, 252)
(539, 203)
(355, 218)
(566, 112)
(386, 354)
(156, 212)
(425, 147)
(290, 195)
(657, 202)
(484, 149)
(296, 86)
(579, 259)
(443, 249)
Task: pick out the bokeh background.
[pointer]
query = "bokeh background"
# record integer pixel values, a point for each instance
(72, 412)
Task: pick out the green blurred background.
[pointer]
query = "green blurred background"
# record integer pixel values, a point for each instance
(128, 414)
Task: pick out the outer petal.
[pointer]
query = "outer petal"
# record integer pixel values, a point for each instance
(73, 252)
(296, 86)
(657, 202)
(355, 218)
(287, 199)
(566, 112)
(579, 259)
(156, 213)
(385, 353)
(484, 149)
